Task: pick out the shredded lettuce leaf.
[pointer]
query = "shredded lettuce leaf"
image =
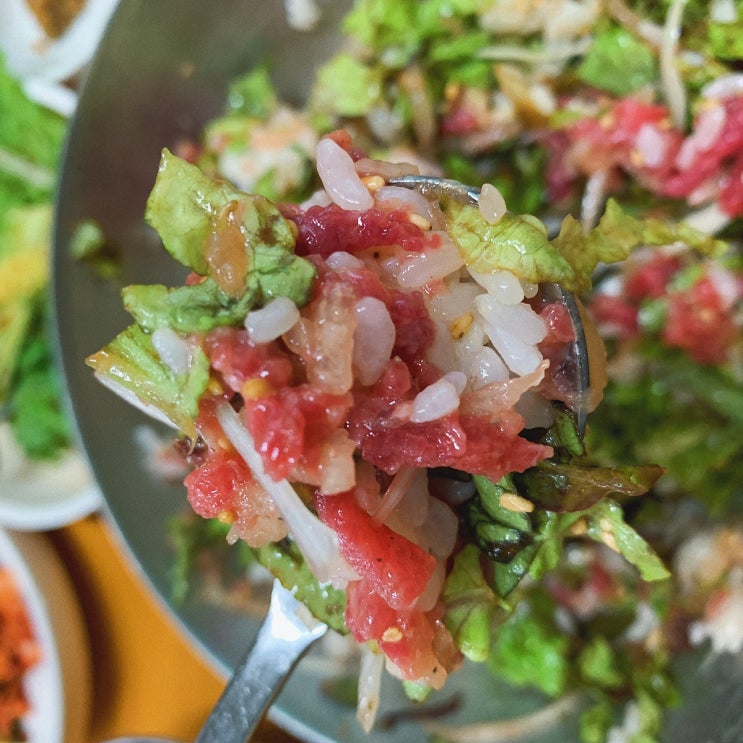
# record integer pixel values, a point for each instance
(520, 243)
(618, 62)
(347, 87)
(30, 143)
(529, 648)
(187, 309)
(471, 605)
(516, 243)
(252, 95)
(130, 362)
(184, 207)
(24, 273)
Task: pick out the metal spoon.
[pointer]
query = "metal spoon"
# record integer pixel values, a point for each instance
(577, 361)
(286, 634)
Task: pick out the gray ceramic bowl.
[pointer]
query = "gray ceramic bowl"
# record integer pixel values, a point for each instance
(161, 72)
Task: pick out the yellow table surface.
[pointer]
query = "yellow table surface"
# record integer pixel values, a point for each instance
(146, 677)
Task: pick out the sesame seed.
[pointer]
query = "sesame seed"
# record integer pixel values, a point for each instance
(515, 502)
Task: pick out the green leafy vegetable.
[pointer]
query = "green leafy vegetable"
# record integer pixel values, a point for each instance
(615, 237)
(252, 95)
(195, 539)
(574, 487)
(605, 523)
(347, 87)
(326, 603)
(471, 605)
(530, 649)
(598, 664)
(516, 243)
(188, 209)
(35, 407)
(88, 243)
(726, 39)
(30, 143)
(24, 273)
(131, 362)
(618, 62)
(187, 309)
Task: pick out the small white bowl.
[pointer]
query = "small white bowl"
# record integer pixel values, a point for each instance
(59, 686)
(43, 64)
(37, 496)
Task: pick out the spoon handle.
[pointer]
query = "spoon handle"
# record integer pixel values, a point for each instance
(285, 635)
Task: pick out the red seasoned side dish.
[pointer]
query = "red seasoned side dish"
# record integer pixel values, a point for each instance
(19, 651)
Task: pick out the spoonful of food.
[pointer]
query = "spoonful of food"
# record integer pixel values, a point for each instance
(288, 629)
(585, 351)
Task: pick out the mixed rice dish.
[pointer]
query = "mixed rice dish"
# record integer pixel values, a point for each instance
(373, 389)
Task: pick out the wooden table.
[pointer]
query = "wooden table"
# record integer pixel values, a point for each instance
(146, 677)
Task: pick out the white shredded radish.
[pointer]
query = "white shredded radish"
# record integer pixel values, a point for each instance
(441, 528)
(709, 126)
(515, 728)
(272, 320)
(710, 219)
(159, 455)
(339, 177)
(536, 410)
(530, 288)
(172, 349)
(630, 727)
(673, 86)
(722, 623)
(645, 622)
(431, 593)
(435, 401)
(317, 542)
(370, 682)
(384, 168)
(385, 123)
(594, 193)
(726, 86)
(373, 339)
(458, 379)
(395, 493)
(491, 204)
(412, 509)
(342, 259)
